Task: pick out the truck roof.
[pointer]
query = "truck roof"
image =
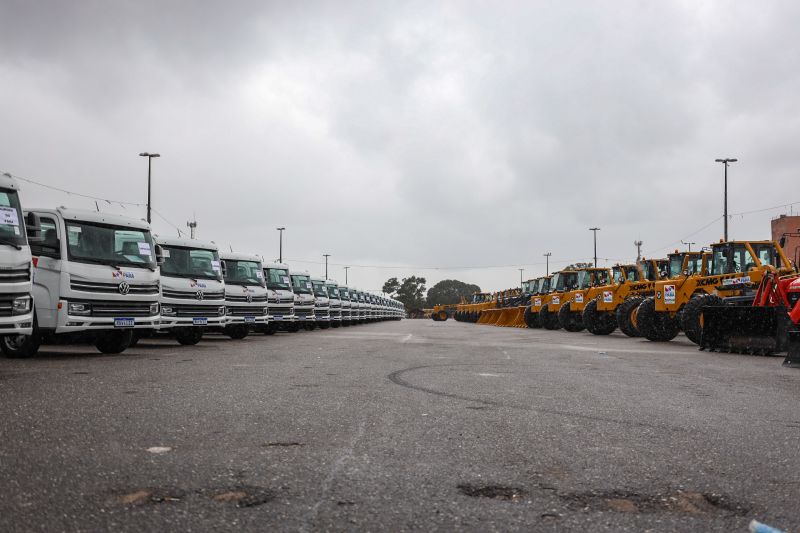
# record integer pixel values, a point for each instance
(276, 265)
(84, 215)
(238, 256)
(185, 243)
(317, 280)
(299, 273)
(8, 182)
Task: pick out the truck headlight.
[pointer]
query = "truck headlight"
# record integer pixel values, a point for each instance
(74, 308)
(221, 310)
(21, 305)
(154, 308)
(167, 310)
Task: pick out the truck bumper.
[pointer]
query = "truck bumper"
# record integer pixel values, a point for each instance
(17, 325)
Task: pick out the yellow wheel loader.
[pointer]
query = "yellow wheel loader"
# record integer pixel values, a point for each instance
(562, 282)
(735, 270)
(541, 286)
(590, 281)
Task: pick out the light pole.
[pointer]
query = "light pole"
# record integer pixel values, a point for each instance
(638, 244)
(547, 259)
(326, 265)
(149, 157)
(521, 270)
(689, 244)
(726, 162)
(280, 244)
(345, 275)
(595, 230)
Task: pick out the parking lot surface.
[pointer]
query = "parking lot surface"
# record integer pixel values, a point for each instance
(412, 425)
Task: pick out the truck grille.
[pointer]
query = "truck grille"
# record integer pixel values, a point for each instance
(302, 312)
(238, 298)
(113, 288)
(196, 310)
(245, 311)
(103, 308)
(189, 295)
(15, 275)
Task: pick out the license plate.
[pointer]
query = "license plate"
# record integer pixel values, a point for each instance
(200, 321)
(301, 318)
(249, 319)
(277, 317)
(123, 322)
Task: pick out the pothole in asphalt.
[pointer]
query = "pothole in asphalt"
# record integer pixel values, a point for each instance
(242, 496)
(281, 444)
(495, 492)
(632, 502)
(145, 496)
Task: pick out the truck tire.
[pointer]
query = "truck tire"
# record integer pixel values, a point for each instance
(624, 315)
(655, 326)
(113, 342)
(569, 320)
(691, 319)
(548, 320)
(188, 336)
(598, 322)
(237, 331)
(21, 346)
(531, 318)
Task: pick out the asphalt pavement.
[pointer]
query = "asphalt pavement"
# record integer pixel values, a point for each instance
(411, 425)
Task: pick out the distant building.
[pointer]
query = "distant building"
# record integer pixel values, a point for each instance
(787, 224)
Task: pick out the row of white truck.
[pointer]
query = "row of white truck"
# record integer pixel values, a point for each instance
(71, 275)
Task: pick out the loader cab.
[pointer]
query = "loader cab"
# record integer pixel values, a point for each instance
(655, 269)
(623, 273)
(593, 277)
(566, 280)
(684, 263)
(741, 257)
(543, 286)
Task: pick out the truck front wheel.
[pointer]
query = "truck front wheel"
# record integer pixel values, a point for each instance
(113, 342)
(21, 346)
(188, 336)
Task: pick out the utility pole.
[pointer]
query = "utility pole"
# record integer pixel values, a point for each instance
(547, 259)
(326, 265)
(521, 270)
(191, 225)
(638, 245)
(345, 275)
(595, 230)
(689, 244)
(727, 161)
(149, 168)
(280, 244)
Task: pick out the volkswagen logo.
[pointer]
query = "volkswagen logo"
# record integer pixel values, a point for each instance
(249, 298)
(199, 295)
(124, 288)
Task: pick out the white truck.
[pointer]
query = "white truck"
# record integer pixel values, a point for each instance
(95, 278)
(322, 303)
(245, 294)
(192, 289)
(16, 303)
(347, 305)
(304, 302)
(335, 303)
(280, 298)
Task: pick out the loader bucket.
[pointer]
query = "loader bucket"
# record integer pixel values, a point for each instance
(488, 316)
(793, 357)
(519, 318)
(495, 316)
(745, 329)
(506, 317)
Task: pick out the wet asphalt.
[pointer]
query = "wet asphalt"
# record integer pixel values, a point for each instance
(412, 425)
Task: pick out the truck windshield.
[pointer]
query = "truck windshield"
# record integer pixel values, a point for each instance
(197, 263)
(243, 272)
(90, 242)
(319, 289)
(301, 284)
(344, 294)
(333, 291)
(12, 229)
(277, 279)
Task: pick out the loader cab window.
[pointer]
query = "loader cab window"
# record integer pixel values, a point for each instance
(618, 274)
(600, 278)
(649, 271)
(695, 264)
(663, 268)
(766, 254)
(731, 259)
(584, 279)
(632, 274)
(675, 265)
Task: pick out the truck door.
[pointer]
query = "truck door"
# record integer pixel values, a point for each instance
(47, 272)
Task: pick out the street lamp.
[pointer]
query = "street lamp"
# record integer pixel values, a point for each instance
(521, 270)
(595, 230)
(688, 244)
(280, 244)
(345, 275)
(547, 259)
(149, 157)
(726, 162)
(326, 265)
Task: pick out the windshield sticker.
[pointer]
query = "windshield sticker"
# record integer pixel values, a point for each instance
(285, 279)
(144, 248)
(215, 266)
(259, 274)
(166, 253)
(16, 230)
(8, 216)
(308, 285)
(74, 229)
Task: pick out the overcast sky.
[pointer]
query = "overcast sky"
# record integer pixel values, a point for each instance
(415, 134)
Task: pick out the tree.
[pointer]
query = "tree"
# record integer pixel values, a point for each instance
(391, 286)
(412, 293)
(450, 291)
(578, 266)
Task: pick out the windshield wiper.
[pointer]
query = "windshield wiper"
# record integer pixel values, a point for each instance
(10, 243)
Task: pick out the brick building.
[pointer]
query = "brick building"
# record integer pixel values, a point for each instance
(788, 224)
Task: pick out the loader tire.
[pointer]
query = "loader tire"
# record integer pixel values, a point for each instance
(625, 319)
(531, 318)
(569, 320)
(598, 322)
(655, 326)
(548, 320)
(692, 317)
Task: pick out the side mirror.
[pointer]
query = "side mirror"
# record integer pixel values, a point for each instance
(223, 267)
(33, 228)
(782, 242)
(159, 255)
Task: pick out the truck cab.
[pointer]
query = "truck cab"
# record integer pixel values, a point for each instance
(16, 302)
(245, 294)
(347, 306)
(192, 288)
(280, 298)
(96, 278)
(322, 305)
(335, 302)
(359, 309)
(304, 300)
